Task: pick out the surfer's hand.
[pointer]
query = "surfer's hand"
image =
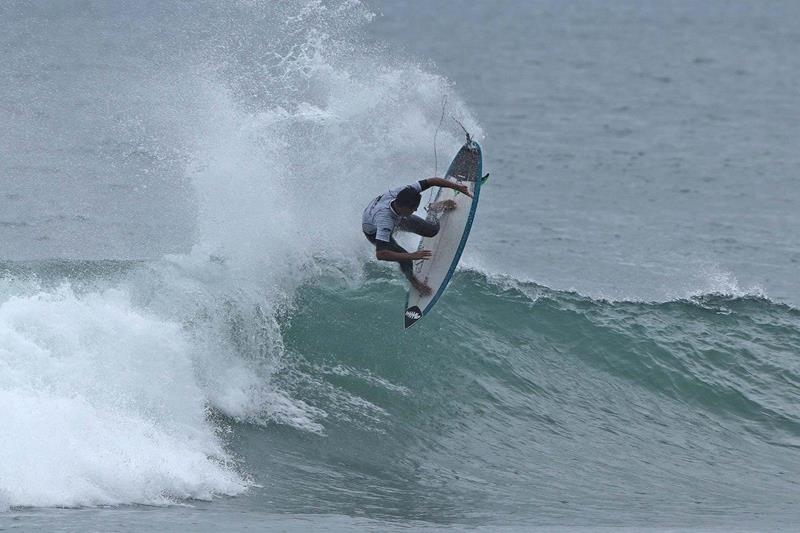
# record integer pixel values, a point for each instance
(420, 255)
(463, 189)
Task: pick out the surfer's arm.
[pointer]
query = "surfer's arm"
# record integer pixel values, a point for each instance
(447, 184)
(388, 250)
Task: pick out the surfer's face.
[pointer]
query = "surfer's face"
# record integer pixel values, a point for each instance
(403, 210)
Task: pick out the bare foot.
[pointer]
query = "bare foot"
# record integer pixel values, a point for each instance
(449, 205)
(423, 289)
(443, 206)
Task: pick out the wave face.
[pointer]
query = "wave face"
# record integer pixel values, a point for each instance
(514, 402)
(517, 400)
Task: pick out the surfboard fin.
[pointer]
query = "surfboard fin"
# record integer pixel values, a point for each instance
(485, 178)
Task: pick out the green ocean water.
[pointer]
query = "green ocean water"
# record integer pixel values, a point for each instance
(514, 406)
(649, 406)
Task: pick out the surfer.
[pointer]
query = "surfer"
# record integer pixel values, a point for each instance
(395, 209)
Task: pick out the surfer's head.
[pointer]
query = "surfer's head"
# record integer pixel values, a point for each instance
(407, 201)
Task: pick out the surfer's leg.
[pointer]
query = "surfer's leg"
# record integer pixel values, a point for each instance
(420, 226)
(406, 266)
(408, 269)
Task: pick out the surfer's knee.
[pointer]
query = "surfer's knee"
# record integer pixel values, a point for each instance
(431, 229)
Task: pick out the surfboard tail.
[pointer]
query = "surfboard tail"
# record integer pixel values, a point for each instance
(411, 315)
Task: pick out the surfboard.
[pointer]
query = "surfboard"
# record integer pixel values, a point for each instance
(448, 244)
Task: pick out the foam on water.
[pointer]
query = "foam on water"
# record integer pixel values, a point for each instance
(100, 406)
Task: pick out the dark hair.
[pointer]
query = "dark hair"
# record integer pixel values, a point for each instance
(408, 197)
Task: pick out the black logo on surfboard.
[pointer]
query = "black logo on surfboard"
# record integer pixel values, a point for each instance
(412, 314)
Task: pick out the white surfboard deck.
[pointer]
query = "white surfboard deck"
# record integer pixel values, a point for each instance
(448, 244)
